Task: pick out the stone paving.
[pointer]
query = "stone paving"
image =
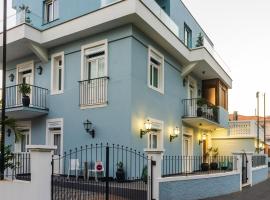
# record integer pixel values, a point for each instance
(260, 191)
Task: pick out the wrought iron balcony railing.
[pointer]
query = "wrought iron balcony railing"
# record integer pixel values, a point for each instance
(38, 97)
(197, 107)
(93, 91)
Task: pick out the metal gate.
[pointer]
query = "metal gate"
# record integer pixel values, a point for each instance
(244, 168)
(99, 172)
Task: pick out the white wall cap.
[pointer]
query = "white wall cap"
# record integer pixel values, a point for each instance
(242, 152)
(154, 151)
(41, 148)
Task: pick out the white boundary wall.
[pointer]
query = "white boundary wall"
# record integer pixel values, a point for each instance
(39, 188)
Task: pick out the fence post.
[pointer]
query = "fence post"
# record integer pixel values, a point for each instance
(107, 172)
(41, 169)
(154, 168)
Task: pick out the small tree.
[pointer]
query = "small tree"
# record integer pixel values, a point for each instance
(199, 42)
(25, 89)
(7, 154)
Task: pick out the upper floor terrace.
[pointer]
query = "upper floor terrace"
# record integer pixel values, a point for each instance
(245, 129)
(29, 33)
(17, 108)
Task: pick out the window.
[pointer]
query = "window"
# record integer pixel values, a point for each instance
(156, 70)
(24, 140)
(187, 36)
(94, 80)
(223, 96)
(155, 138)
(57, 73)
(51, 10)
(94, 59)
(216, 92)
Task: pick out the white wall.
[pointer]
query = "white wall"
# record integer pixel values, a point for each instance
(39, 188)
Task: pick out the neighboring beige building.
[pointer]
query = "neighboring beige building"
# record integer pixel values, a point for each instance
(241, 136)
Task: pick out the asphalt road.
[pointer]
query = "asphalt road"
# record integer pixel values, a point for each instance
(260, 191)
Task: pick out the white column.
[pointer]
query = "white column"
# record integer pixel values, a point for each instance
(41, 170)
(156, 157)
(239, 163)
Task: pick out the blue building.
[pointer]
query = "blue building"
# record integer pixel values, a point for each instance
(103, 71)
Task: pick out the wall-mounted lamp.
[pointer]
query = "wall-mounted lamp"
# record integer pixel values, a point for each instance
(176, 132)
(199, 92)
(11, 77)
(9, 132)
(39, 70)
(203, 139)
(148, 128)
(184, 82)
(88, 128)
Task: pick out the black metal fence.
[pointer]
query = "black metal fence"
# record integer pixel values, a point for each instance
(101, 172)
(38, 97)
(258, 160)
(196, 165)
(93, 91)
(200, 108)
(18, 166)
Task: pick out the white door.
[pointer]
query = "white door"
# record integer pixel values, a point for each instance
(187, 154)
(96, 86)
(23, 141)
(27, 78)
(56, 140)
(192, 95)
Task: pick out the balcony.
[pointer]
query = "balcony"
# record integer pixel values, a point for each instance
(93, 92)
(37, 107)
(30, 35)
(200, 113)
(245, 129)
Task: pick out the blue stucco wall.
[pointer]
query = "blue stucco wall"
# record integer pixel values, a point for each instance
(181, 15)
(68, 9)
(259, 175)
(199, 188)
(223, 117)
(130, 98)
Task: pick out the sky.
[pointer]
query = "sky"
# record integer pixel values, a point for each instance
(240, 31)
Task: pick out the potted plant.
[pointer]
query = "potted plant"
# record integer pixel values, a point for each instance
(200, 103)
(205, 164)
(214, 154)
(25, 90)
(144, 174)
(120, 173)
(199, 42)
(215, 113)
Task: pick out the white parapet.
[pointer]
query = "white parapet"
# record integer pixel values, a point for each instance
(40, 185)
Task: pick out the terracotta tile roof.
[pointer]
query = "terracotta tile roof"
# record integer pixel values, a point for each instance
(245, 118)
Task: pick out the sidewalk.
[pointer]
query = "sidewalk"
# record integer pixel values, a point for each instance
(260, 191)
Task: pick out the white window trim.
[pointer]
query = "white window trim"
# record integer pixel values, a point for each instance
(192, 81)
(29, 65)
(26, 125)
(62, 54)
(187, 131)
(53, 13)
(91, 45)
(161, 142)
(61, 120)
(161, 88)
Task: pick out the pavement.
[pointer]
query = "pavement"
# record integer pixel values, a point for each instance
(260, 191)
